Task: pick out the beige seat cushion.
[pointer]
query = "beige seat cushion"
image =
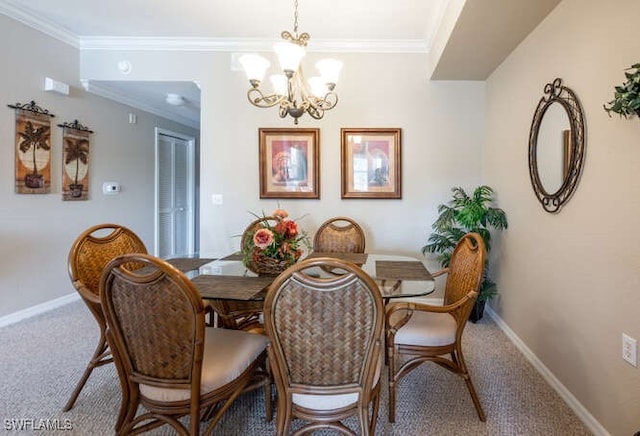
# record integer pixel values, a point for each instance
(330, 402)
(428, 329)
(227, 353)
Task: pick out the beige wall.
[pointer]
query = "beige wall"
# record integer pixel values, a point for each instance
(441, 123)
(442, 136)
(36, 231)
(570, 282)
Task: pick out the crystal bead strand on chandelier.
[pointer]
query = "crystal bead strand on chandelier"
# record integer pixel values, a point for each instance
(291, 93)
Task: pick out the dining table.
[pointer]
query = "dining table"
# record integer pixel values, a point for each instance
(227, 278)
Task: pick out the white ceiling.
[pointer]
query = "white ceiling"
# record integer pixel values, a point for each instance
(468, 46)
(323, 19)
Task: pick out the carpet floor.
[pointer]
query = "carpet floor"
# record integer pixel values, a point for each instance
(43, 358)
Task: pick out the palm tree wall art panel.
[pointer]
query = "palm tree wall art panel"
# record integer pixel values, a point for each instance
(75, 162)
(33, 150)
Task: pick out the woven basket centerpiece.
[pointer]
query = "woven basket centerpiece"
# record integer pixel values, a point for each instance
(269, 266)
(271, 244)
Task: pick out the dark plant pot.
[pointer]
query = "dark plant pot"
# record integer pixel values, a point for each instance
(477, 311)
(75, 190)
(34, 181)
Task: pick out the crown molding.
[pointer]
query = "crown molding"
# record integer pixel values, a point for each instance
(40, 24)
(204, 44)
(98, 90)
(248, 44)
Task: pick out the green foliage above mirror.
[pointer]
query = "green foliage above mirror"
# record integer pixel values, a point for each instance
(626, 100)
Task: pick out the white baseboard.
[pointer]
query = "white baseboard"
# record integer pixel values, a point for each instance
(582, 413)
(37, 309)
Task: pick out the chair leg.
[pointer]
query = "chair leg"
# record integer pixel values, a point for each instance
(125, 389)
(283, 418)
(459, 359)
(376, 408)
(474, 397)
(268, 401)
(363, 417)
(391, 360)
(99, 358)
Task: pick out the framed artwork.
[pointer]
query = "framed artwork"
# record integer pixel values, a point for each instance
(33, 149)
(371, 163)
(75, 161)
(289, 163)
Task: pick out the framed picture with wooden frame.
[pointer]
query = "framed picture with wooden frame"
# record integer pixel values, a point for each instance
(289, 163)
(371, 163)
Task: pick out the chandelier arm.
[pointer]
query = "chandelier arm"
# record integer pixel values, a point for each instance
(306, 97)
(283, 111)
(328, 102)
(292, 86)
(257, 98)
(315, 112)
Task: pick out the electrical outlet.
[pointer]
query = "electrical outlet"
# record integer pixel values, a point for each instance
(630, 350)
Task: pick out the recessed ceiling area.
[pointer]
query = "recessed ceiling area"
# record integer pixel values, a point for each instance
(152, 97)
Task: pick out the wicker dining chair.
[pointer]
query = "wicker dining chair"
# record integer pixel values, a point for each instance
(339, 234)
(169, 363)
(326, 351)
(89, 254)
(426, 333)
(242, 315)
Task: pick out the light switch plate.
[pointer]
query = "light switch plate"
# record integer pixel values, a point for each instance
(630, 350)
(110, 188)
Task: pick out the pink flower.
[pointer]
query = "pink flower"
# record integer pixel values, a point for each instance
(263, 238)
(280, 213)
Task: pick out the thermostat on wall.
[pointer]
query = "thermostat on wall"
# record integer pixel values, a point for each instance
(110, 188)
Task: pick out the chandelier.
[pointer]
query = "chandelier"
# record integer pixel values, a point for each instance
(291, 93)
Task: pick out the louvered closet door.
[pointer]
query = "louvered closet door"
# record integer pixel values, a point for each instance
(175, 197)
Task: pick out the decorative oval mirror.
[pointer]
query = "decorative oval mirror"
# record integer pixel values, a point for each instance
(556, 146)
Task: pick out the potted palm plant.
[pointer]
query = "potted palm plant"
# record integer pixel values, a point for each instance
(463, 214)
(626, 101)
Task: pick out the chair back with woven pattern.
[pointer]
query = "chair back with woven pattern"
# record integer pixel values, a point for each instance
(95, 247)
(157, 322)
(465, 271)
(339, 234)
(325, 333)
(89, 254)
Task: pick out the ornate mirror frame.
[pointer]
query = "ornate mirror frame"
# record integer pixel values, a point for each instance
(555, 92)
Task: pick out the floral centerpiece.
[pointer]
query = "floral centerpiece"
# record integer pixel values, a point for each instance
(271, 244)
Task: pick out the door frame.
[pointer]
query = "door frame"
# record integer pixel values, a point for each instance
(191, 189)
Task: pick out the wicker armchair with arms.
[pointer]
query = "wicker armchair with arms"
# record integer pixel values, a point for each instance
(167, 360)
(426, 333)
(326, 346)
(89, 254)
(339, 234)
